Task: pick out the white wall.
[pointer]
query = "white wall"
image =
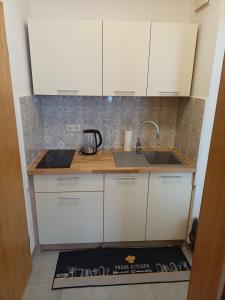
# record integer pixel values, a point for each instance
(208, 19)
(160, 10)
(209, 61)
(16, 13)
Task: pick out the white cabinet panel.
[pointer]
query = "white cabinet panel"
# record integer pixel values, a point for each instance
(125, 206)
(168, 206)
(68, 183)
(70, 217)
(66, 57)
(125, 58)
(172, 53)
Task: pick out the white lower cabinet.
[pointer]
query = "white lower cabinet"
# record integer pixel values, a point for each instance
(168, 206)
(125, 205)
(72, 217)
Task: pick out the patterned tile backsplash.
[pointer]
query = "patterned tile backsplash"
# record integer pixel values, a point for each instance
(189, 125)
(32, 120)
(110, 117)
(45, 119)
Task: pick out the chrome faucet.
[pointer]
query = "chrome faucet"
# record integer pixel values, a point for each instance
(141, 126)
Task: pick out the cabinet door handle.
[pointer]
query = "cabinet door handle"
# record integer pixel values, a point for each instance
(75, 92)
(124, 93)
(169, 93)
(69, 198)
(170, 176)
(68, 178)
(126, 177)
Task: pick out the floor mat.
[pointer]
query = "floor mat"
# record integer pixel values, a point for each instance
(116, 266)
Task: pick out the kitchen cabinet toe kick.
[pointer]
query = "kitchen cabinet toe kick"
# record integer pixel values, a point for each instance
(132, 244)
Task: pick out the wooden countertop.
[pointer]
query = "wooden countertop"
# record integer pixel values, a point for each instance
(103, 162)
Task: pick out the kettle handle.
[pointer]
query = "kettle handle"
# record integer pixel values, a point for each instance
(97, 132)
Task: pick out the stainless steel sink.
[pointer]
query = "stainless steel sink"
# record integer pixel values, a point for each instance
(130, 159)
(144, 159)
(161, 158)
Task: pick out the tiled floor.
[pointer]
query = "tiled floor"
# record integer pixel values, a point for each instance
(39, 286)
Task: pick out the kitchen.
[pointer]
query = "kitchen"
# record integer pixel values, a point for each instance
(125, 89)
(66, 111)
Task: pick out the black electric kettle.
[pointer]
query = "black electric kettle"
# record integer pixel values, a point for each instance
(90, 143)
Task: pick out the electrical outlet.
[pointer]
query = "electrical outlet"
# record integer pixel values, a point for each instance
(73, 128)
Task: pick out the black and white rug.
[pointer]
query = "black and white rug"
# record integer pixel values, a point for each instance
(116, 266)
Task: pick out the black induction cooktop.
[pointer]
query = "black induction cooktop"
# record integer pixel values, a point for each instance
(56, 159)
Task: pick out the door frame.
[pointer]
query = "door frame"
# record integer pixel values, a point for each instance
(15, 256)
(208, 270)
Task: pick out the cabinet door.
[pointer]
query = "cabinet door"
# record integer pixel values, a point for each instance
(125, 58)
(168, 206)
(70, 217)
(125, 206)
(66, 57)
(172, 53)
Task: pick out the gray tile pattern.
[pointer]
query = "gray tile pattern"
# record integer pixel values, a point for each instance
(170, 291)
(43, 269)
(110, 117)
(98, 293)
(42, 292)
(131, 292)
(32, 121)
(40, 282)
(189, 125)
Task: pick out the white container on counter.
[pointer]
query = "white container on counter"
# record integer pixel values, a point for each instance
(127, 140)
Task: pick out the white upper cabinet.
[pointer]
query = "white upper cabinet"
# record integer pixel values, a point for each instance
(66, 57)
(172, 53)
(125, 58)
(128, 58)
